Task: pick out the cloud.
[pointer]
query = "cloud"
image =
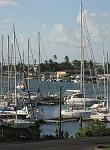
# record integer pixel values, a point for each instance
(105, 13)
(60, 40)
(98, 31)
(7, 21)
(43, 26)
(97, 28)
(92, 23)
(63, 41)
(8, 2)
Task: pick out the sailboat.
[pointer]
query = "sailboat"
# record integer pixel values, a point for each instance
(24, 111)
(78, 103)
(99, 115)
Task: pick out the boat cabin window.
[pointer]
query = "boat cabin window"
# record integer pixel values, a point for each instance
(78, 96)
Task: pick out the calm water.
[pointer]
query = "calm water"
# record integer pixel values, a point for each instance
(49, 128)
(47, 112)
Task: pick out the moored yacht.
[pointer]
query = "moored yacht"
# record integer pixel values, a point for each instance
(78, 99)
(75, 113)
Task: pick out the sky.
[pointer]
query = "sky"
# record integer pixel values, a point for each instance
(58, 22)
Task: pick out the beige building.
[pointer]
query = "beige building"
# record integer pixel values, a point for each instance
(60, 74)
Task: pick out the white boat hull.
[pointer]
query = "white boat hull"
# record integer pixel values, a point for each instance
(76, 113)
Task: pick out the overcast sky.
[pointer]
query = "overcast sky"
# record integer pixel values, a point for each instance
(59, 24)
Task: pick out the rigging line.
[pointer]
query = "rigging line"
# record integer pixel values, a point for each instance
(19, 55)
(90, 70)
(18, 48)
(87, 32)
(95, 70)
(43, 49)
(42, 61)
(89, 42)
(88, 38)
(31, 53)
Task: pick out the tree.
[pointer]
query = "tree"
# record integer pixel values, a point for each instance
(46, 62)
(66, 59)
(55, 57)
(50, 61)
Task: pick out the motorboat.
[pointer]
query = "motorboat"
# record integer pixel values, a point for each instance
(76, 98)
(72, 113)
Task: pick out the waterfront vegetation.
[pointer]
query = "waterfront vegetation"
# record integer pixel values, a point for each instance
(94, 129)
(11, 134)
(53, 66)
(33, 133)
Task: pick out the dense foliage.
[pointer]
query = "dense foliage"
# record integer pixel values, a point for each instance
(52, 66)
(11, 134)
(94, 129)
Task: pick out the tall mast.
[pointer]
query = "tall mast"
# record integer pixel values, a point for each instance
(14, 51)
(39, 55)
(28, 63)
(82, 57)
(104, 72)
(81, 53)
(8, 68)
(2, 69)
(23, 61)
(107, 85)
(23, 65)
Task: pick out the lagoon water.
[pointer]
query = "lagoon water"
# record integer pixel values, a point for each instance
(49, 128)
(53, 111)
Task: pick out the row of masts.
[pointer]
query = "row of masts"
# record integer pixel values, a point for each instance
(15, 69)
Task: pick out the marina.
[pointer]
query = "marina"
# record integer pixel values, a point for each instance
(64, 96)
(50, 113)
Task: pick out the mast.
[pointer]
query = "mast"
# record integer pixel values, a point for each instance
(2, 69)
(39, 56)
(107, 85)
(104, 72)
(81, 53)
(82, 57)
(23, 62)
(23, 67)
(14, 51)
(11, 62)
(28, 64)
(8, 68)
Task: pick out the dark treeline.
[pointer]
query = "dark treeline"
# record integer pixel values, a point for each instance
(53, 66)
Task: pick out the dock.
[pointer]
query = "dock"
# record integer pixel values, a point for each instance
(56, 120)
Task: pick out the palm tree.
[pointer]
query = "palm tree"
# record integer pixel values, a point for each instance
(55, 57)
(66, 59)
(50, 61)
(46, 62)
